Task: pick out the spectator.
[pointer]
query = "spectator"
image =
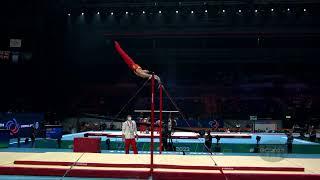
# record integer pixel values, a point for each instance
(103, 126)
(313, 134)
(228, 131)
(111, 126)
(302, 136)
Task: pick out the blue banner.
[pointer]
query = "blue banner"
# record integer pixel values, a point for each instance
(54, 131)
(22, 124)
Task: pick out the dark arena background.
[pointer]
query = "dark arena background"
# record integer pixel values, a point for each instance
(238, 95)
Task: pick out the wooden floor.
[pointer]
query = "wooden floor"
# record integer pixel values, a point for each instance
(57, 163)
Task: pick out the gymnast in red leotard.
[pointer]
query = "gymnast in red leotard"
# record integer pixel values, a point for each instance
(132, 65)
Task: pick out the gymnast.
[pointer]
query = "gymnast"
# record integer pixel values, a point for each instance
(133, 66)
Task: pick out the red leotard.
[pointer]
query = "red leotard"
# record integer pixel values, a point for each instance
(127, 59)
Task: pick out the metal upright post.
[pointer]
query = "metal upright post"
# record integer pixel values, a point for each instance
(160, 117)
(152, 124)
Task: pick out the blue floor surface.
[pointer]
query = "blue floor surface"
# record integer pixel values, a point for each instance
(265, 139)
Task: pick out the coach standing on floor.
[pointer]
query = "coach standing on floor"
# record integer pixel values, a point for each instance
(129, 133)
(208, 142)
(290, 141)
